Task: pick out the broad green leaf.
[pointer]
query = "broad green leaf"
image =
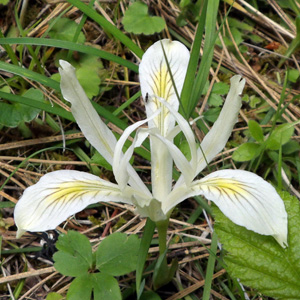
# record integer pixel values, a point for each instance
(256, 131)
(105, 287)
(220, 88)
(137, 20)
(81, 288)
(11, 115)
(293, 75)
(75, 256)
(149, 295)
(259, 261)
(64, 29)
(54, 296)
(212, 114)
(88, 69)
(215, 100)
(291, 147)
(101, 286)
(117, 254)
(4, 2)
(246, 152)
(280, 136)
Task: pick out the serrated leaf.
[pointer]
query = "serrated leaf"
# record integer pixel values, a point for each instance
(64, 29)
(280, 136)
(246, 152)
(259, 261)
(256, 131)
(11, 115)
(117, 254)
(137, 20)
(75, 256)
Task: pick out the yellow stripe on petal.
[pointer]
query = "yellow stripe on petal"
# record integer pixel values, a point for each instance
(156, 80)
(59, 195)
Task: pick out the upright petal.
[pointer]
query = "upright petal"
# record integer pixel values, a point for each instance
(156, 80)
(219, 134)
(60, 194)
(93, 128)
(245, 198)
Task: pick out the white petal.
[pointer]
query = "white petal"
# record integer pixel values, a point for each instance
(187, 131)
(123, 171)
(217, 137)
(180, 160)
(60, 194)
(93, 128)
(155, 79)
(245, 198)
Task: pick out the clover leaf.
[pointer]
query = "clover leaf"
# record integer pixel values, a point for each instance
(75, 257)
(137, 20)
(118, 254)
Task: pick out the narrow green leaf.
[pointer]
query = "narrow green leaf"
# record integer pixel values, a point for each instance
(75, 256)
(29, 74)
(259, 261)
(38, 104)
(143, 252)
(71, 46)
(118, 254)
(119, 35)
(193, 64)
(208, 50)
(210, 267)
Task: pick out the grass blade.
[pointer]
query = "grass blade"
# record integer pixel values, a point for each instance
(119, 35)
(70, 46)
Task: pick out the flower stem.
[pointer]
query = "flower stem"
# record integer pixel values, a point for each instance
(162, 227)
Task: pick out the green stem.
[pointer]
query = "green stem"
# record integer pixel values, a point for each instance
(162, 227)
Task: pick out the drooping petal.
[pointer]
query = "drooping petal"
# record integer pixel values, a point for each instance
(245, 198)
(60, 194)
(217, 137)
(180, 160)
(156, 80)
(186, 130)
(121, 167)
(93, 128)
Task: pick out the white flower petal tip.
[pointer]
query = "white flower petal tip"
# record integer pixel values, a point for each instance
(93, 128)
(156, 80)
(59, 195)
(247, 200)
(219, 134)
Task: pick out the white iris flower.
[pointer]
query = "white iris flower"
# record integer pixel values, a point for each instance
(242, 196)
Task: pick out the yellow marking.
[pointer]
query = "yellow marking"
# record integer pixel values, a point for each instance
(162, 87)
(230, 186)
(66, 191)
